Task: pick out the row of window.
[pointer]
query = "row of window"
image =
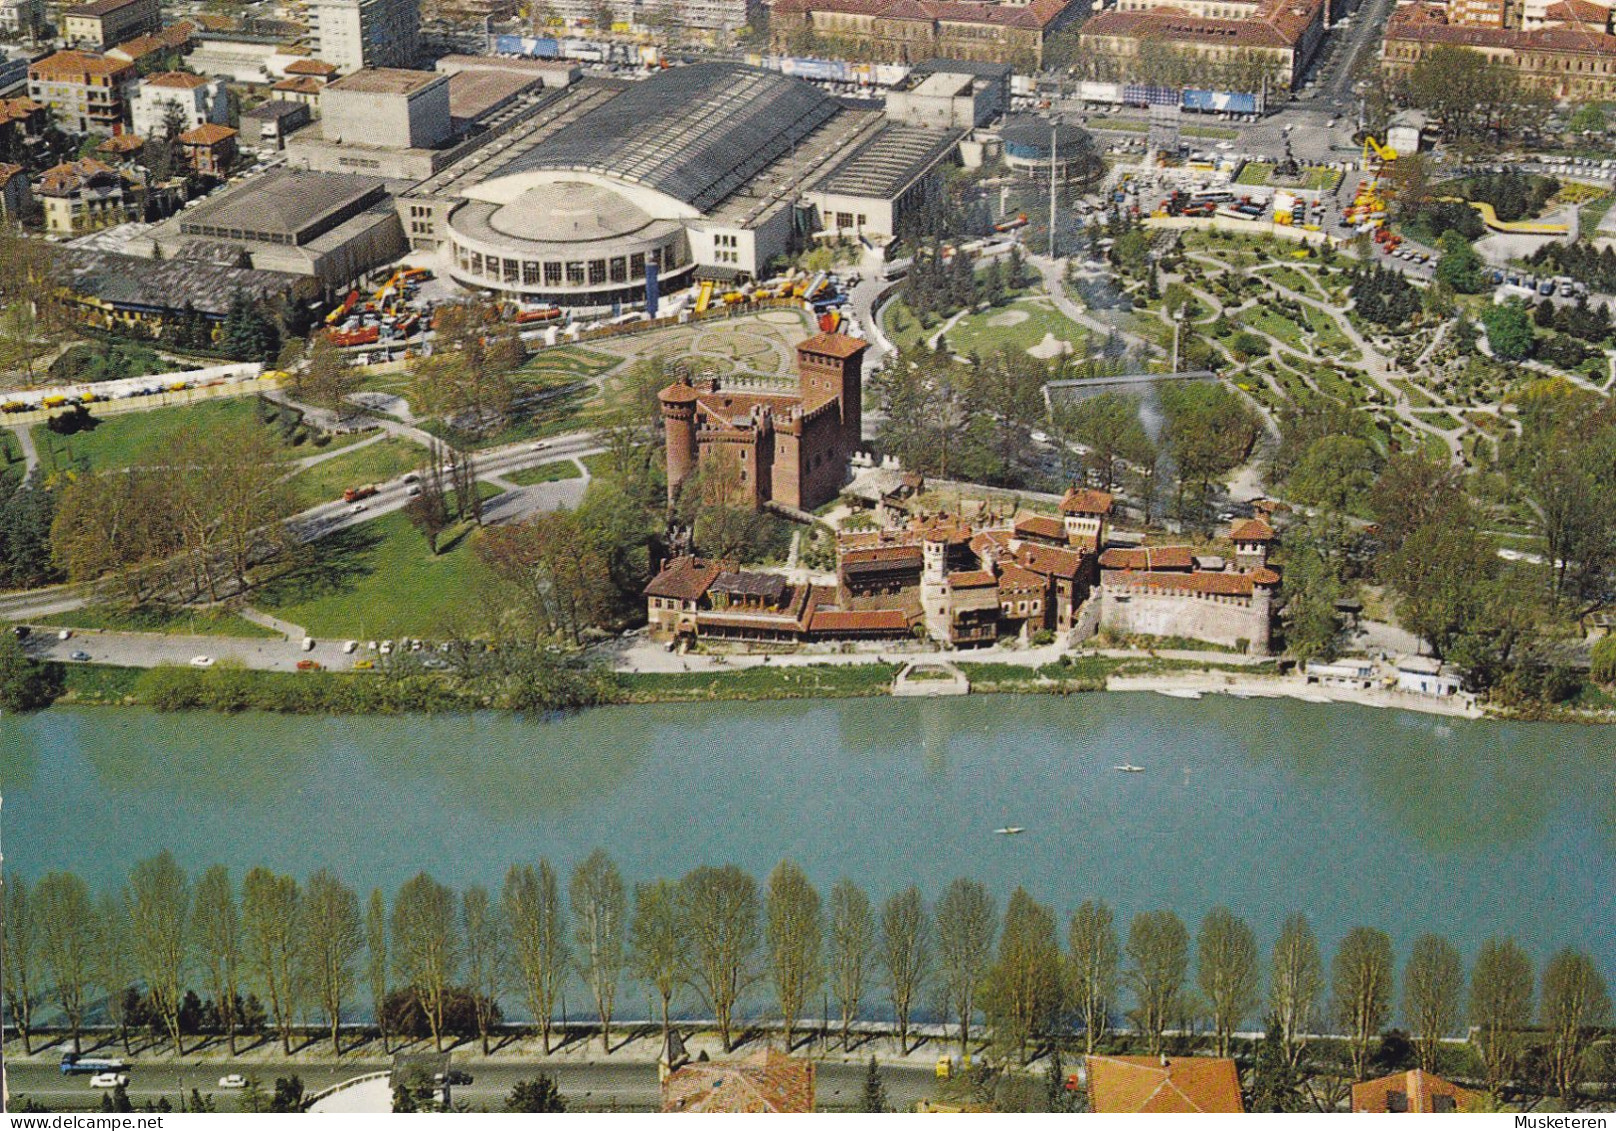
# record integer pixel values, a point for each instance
(556, 273)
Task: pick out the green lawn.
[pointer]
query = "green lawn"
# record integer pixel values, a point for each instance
(544, 473)
(385, 459)
(120, 440)
(177, 622)
(1024, 324)
(573, 362)
(379, 580)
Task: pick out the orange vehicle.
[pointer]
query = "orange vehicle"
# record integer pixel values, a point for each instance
(353, 494)
(363, 336)
(309, 665)
(542, 314)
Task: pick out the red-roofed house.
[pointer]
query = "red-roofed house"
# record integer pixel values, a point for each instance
(209, 149)
(1568, 60)
(767, 1082)
(1415, 1092)
(909, 31)
(1141, 1085)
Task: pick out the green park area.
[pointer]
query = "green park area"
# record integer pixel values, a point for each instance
(1030, 324)
(370, 463)
(122, 439)
(544, 473)
(562, 365)
(379, 580)
(1265, 173)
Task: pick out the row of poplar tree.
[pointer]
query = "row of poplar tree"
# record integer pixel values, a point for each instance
(715, 937)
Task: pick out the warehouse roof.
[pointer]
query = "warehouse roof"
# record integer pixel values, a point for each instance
(286, 202)
(890, 162)
(165, 284)
(385, 80)
(697, 133)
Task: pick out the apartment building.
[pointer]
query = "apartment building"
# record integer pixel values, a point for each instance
(106, 23)
(85, 92)
(354, 34)
(200, 101)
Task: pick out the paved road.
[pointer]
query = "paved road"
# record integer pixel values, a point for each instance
(586, 1086)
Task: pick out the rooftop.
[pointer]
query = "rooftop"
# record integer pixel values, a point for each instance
(175, 80)
(71, 64)
(1415, 1092)
(385, 80)
(1037, 15)
(834, 345)
(284, 201)
(890, 161)
(1145, 1084)
(767, 1081)
(97, 8)
(685, 579)
(165, 284)
(1085, 500)
(208, 133)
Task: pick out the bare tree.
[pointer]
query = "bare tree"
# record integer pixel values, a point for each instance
(426, 946)
(271, 914)
(1433, 995)
(485, 953)
(794, 931)
(1575, 1007)
(376, 959)
(67, 935)
(1361, 990)
(1226, 969)
(967, 923)
(1092, 961)
(1500, 1007)
(852, 949)
(1159, 949)
(600, 910)
(333, 936)
(658, 944)
(20, 970)
(1022, 991)
(905, 954)
(537, 921)
(721, 914)
(113, 968)
(216, 939)
(1294, 985)
(159, 903)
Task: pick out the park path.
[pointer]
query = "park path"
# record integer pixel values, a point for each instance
(285, 627)
(30, 454)
(1052, 274)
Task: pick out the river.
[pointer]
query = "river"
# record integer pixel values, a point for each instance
(1349, 814)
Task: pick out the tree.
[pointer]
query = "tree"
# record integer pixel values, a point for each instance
(1226, 970)
(469, 379)
(1209, 432)
(533, 911)
(216, 939)
(1022, 991)
(720, 906)
(551, 567)
(333, 936)
(852, 949)
(537, 1096)
(25, 685)
(113, 968)
(1159, 950)
(1575, 1007)
(905, 954)
(159, 904)
(1294, 984)
(1459, 267)
(794, 931)
(1109, 427)
(1509, 330)
(1361, 991)
(376, 957)
(1463, 89)
(426, 946)
(1274, 1083)
(67, 930)
(1500, 1007)
(874, 1099)
(19, 940)
(271, 925)
(600, 909)
(1092, 965)
(328, 380)
(658, 947)
(485, 951)
(1433, 995)
(1334, 474)
(967, 922)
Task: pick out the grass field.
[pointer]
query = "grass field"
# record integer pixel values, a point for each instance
(379, 579)
(177, 622)
(118, 441)
(1026, 324)
(544, 473)
(372, 463)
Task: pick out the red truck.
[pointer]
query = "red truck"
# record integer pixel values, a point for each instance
(353, 494)
(363, 336)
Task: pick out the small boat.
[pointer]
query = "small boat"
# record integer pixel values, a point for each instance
(1129, 768)
(1010, 830)
(1178, 692)
(1315, 699)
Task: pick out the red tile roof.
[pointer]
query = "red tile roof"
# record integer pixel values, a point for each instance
(1050, 560)
(1251, 530)
(766, 1082)
(317, 67)
(302, 84)
(836, 345)
(1041, 526)
(1206, 583)
(1084, 500)
(858, 620)
(685, 578)
(175, 80)
(1428, 23)
(1148, 558)
(1420, 1090)
(1130, 1085)
(1014, 578)
(209, 133)
(79, 65)
(1034, 16)
(973, 579)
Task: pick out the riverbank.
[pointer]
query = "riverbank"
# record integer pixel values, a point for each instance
(230, 690)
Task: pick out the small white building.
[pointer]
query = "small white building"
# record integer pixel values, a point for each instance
(1426, 675)
(201, 101)
(1406, 131)
(1354, 673)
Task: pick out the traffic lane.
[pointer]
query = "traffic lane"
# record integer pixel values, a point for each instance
(585, 1086)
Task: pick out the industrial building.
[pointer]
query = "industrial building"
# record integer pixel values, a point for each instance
(715, 165)
(950, 95)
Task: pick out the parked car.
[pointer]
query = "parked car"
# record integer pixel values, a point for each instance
(364, 665)
(234, 1080)
(309, 666)
(349, 647)
(81, 656)
(201, 661)
(110, 1080)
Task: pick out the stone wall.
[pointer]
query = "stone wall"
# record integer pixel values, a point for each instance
(1229, 622)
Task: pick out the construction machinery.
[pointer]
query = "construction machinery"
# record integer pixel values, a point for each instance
(704, 297)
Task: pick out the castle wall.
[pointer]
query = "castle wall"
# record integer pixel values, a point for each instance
(1226, 621)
